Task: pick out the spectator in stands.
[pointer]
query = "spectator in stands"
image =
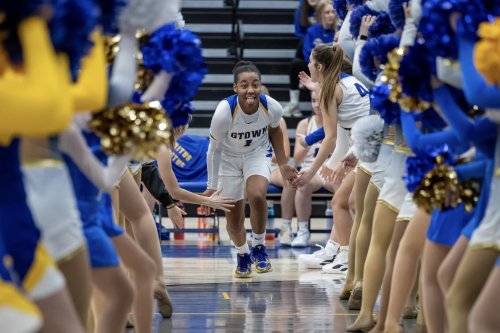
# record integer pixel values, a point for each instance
(304, 156)
(305, 16)
(322, 32)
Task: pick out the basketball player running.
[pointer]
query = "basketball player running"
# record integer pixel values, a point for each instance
(244, 131)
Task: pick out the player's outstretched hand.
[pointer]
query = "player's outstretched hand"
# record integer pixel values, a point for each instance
(222, 203)
(176, 215)
(288, 173)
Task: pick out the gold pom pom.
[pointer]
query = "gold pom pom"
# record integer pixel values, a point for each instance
(440, 189)
(486, 56)
(134, 128)
(111, 47)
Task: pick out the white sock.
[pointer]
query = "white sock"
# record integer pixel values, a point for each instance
(258, 239)
(243, 249)
(286, 224)
(332, 247)
(303, 225)
(294, 96)
(344, 248)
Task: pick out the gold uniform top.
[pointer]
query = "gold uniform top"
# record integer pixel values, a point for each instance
(41, 99)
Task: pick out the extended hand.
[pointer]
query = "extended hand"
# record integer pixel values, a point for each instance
(176, 216)
(288, 173)
(308, 82)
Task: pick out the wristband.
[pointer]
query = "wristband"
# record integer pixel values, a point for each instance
(171, 206)
(363, 37)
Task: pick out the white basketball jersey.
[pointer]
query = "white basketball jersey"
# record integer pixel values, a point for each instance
(355, 102)
(314, 149)
(249, 133)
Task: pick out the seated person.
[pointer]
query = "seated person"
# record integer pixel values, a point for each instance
(301, 197)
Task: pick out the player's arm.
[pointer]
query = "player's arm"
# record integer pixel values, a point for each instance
(330, 125)
(219, 128)
(286, 140)
(275, 132)
(299, 151)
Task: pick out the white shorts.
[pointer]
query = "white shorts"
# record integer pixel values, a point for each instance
(487, 234)
(394, 190)
(407, 208)
(52, 202)
(235, 169)
(383, 160)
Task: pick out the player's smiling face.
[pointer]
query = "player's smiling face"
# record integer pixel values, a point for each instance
(248, 89)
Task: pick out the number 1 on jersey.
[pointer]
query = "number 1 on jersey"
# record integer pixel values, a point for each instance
(361, 89)
(247, 143)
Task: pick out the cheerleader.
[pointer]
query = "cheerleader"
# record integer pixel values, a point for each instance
(45, 96)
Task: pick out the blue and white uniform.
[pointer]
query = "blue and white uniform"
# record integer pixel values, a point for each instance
(239, 144)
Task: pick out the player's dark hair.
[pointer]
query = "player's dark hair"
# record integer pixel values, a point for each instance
(243, 66)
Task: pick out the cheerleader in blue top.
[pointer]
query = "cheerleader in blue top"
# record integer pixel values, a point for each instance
(480, 256)
(322, 32)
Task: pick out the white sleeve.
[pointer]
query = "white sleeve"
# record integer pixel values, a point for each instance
(346, 42)
(121, 84)
(71, 142)
(341, 148)
(356, 67)
(275, 112)
(218, 132)
(409, 33)
(378, 5)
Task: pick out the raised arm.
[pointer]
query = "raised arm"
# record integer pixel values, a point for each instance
(415, 139)
(476, 89)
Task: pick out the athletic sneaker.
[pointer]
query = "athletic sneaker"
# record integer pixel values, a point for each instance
(339, 265)
(260, 259)
(286, 236)
(317, 259)
(292, 109)
(244, 266)
(302, 238)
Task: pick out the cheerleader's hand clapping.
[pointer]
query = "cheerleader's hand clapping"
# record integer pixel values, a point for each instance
(307, 82)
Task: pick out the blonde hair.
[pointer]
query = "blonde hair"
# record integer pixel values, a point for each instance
(320, 9)
(331, 58)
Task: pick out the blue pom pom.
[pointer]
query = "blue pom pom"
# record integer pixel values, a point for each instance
(437, 31)
(422, 162)
(173, 50)
(381, 26)
(15, 12)
(340, 7)
(379, 100)
(356, 16)
(397, 13)
(415, 72)
(110, 10)
(376, 49)
(182, 115)
(70, 28)
(176, 51)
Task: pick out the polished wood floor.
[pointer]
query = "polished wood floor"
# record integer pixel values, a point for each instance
(291, 298)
